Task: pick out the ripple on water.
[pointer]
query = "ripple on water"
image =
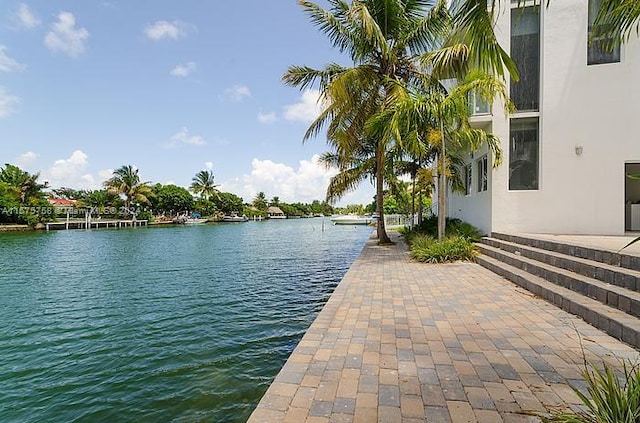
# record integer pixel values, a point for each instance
(182, 324)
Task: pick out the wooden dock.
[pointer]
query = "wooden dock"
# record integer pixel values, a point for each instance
(94, 224)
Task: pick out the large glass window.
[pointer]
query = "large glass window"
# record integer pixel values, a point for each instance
(524, 154)
(525, 52)
(597, 52)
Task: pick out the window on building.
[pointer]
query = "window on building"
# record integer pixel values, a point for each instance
(483, 174)
(523, 154)
(597, 52)
(478, 105)
(467, 179)
(525, 52)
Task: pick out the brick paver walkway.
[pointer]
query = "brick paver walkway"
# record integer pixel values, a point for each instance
(400, 341)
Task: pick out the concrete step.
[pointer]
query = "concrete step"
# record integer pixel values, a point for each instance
(614, 275)
(616, 323)
(608, 257)
(613, 296)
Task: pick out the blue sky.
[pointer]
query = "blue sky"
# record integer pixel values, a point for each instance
(172, 87)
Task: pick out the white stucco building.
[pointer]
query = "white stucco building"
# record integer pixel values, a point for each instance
(574, 137)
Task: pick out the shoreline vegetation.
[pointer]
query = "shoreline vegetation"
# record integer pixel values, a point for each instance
(26, 203)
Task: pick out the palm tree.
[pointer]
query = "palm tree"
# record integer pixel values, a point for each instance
(260, 201)
(203, 184)
(22, 185)
(432, 117)
(126, 182)
(384, 38)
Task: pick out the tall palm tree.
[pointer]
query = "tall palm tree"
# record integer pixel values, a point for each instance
(126, 182)
(204, 185)
(379, 36)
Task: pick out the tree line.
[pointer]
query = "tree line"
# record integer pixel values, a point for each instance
(24, 199)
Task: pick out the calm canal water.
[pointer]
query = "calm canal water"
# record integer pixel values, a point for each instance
(180, 324)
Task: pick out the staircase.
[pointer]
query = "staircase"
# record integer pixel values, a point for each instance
(601, 287)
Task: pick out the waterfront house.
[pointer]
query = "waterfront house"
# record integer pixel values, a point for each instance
(573, 139)
(274, 212)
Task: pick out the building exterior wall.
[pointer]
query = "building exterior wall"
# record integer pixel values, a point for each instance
(592, 110)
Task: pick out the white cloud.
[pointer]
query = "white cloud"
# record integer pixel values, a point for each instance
(238, 93)
(71, 172)
(7, 64)
(8, 103)
(208, 165)
(161, 30)
(267, 117)
(183, 137)
(64, 37)
(105, 174)
(184, 70)
(26, 159)
(306, 183)
(306, 110)
(26, 18)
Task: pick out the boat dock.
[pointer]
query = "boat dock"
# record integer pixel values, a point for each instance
(402, 341)
(94, 224)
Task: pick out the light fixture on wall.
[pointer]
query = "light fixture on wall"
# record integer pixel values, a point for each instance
(578, 150)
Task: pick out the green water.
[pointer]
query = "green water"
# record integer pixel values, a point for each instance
(181, 324)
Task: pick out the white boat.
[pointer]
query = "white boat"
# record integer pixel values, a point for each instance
(353, 219)
(195, 221)
(233, 217)
(190, 220)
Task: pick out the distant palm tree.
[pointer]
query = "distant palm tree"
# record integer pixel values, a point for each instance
(23, 185)
(260, 201)
(126, 181)
(204, 185)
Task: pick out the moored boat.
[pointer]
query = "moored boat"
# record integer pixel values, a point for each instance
(352, 219)
(233, 217)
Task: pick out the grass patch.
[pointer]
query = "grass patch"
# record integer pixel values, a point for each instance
(610, 399)
(429, 250)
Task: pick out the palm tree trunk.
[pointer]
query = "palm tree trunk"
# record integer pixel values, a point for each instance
(413, 200)
(383, 238)
(420, 208)
(442, 186)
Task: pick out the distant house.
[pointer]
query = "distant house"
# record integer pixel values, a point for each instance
(62, 202)
(63, 206)
(274, 212)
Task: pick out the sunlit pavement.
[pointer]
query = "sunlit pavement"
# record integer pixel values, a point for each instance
(401, 341)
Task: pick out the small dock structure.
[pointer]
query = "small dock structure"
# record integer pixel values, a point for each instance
(94, 224)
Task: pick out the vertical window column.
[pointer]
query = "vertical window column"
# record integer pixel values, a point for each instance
(525, 52)
(524, 146)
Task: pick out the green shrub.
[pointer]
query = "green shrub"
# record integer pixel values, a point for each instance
(609, 399)
(427, 249)
(455, 228)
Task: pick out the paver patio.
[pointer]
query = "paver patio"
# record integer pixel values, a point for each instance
(401, 341)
